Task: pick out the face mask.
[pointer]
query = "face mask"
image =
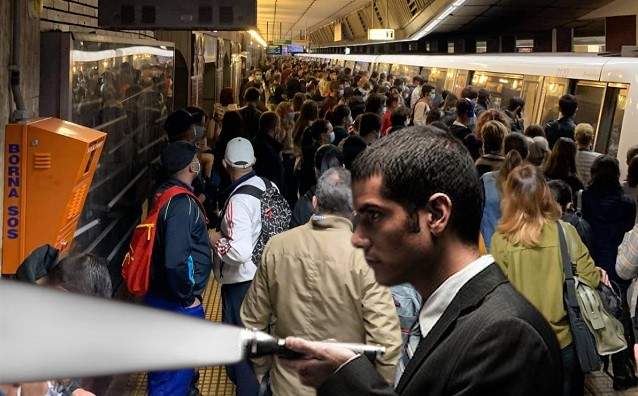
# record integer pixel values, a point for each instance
(196, 167)
(407, 122)
(199, 132)
(332, 136)
(349, 120)
(340, 92)
(432, 95)
(384, 109)
(258, 77)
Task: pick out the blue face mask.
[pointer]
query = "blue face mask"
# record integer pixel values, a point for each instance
(332, 137)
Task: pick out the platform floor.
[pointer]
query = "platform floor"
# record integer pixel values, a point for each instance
(212, 380)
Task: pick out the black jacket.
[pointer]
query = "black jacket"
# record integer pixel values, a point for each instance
(556, 129)
(181, 261)
(269, 163)
(610, 214)
(489, 341)
(250, 116)
(460, 131)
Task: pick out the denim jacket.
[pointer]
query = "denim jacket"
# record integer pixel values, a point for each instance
(491, 208)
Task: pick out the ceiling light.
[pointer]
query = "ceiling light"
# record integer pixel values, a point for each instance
(437, 20)
(257, 37)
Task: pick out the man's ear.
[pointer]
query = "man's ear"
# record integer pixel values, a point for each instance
(315, 202)
(440, 210)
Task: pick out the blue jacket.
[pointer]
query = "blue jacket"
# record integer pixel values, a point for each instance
(491, 208)
(181, 261)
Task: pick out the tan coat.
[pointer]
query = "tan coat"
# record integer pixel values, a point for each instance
(314, 284)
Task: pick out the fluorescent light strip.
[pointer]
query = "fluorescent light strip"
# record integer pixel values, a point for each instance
(257, 37)
(436, 21)
(95, 56)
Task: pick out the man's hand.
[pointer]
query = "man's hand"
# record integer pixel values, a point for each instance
(214, 236)
(604, 277)
(320, 361)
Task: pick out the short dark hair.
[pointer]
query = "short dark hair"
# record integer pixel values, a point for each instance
(326, 157)
(516, 141)
(426, 89)
(198, 114)
(370, 122)
(352, 147)
(82, 273)
(399, 116)
(516, 103)
(340, 113)
(469, 92)
(374, 104)
(420, 161)
(318, 127)
(561, 191)
(568, 105)
(268, 121)
(534, 130)
(464, 107)
(252, 94)
(631, 153)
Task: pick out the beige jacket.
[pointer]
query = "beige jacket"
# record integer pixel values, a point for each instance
(314, 284)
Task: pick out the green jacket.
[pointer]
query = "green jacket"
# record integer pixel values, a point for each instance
(537, 273)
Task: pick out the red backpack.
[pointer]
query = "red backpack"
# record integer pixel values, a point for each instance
(136, 266)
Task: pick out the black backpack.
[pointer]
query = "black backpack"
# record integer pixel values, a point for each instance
(275, 214)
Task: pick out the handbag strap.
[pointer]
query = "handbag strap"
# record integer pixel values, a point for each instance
(570, 282)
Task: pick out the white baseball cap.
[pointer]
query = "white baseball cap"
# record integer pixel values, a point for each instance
(240, 153)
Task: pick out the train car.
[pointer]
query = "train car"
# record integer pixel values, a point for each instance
(606, 87)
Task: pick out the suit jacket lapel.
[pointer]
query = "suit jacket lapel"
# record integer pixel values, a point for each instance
(470, 295)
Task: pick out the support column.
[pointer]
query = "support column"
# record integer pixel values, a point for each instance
(619, 31)
(562, 39)
(493, 45)
(507, 44)
(543, 41)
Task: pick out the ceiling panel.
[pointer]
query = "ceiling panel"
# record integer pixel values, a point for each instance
(289, 17)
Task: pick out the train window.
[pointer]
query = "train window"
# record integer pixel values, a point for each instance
(405, 71)
(553, 89)
(435, 76)
(590, 96)
(502, 87)
(460, 81)
(383, 67)
(449, 79)
(363, 66)
(610, 125)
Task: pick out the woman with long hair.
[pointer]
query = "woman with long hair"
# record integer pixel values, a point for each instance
(308, 113)
(609, 212)
(561, 164)
(527, 248)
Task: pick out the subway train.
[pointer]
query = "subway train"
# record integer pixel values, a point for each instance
(606, 87)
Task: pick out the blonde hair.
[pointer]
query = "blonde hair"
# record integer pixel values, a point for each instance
(527, 205)
(584, 134)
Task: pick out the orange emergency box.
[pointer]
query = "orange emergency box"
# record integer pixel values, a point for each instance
(48, 169)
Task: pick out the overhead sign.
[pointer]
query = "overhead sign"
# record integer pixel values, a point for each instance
(380, 34)
(274, 50)
(295, 49)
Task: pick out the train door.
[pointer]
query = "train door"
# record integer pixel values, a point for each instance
(590, 95)
(553, 89)
(456, 80)
(531, 94)
(610, 125)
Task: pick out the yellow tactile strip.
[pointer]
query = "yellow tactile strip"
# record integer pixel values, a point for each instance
(212, 380)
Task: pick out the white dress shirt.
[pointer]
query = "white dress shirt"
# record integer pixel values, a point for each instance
(437, 303)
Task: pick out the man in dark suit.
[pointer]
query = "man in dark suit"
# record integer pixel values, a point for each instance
(419, 205)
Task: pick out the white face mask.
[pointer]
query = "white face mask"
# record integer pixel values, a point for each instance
(196, 167)
(432, 95)
(332, 136)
